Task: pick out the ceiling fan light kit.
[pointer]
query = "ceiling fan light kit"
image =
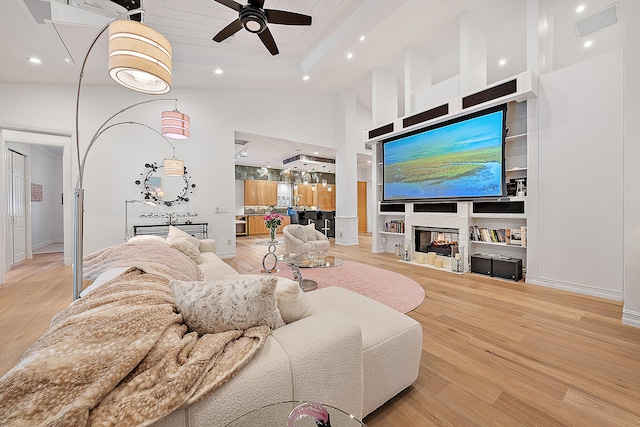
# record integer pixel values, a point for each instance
(255, 19)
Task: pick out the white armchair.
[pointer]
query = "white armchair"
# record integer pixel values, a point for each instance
(297, 238)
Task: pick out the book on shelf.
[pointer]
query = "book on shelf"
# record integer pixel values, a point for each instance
(394, 226)
(516, 237)
(483, 234)
(523, 235)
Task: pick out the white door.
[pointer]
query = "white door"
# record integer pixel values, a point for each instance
(18, 208)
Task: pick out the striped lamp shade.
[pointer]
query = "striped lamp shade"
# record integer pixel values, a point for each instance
(139, 57)
(176, 125)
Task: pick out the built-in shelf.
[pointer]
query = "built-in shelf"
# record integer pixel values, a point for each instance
(391, 233)
(497, 244)
(514, 137)
(515, 169)
(391, 213)
(498, 215)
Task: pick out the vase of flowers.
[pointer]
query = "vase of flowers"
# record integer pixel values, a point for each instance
(272, 221)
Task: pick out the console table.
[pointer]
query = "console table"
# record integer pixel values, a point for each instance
(199, 230)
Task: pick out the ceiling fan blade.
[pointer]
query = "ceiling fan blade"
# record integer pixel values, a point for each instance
(268, 41)
(228, 31)
(230, 4)
(256, 3)
(286, 18)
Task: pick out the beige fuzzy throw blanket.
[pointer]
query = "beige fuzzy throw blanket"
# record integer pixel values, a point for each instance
(120, 356)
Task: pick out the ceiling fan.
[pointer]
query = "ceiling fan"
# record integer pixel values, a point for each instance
(254, 18)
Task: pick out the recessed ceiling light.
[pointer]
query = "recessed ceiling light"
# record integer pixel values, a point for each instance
(315, 153)
(580, 8)
(305, 77)
(362, 38)
(502, 62)
(349, 55)
(34, 60)
(218, 71)
(588, 43)
(368, 161)
(66, 59)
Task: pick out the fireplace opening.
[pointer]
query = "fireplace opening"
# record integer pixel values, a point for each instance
(442, 241)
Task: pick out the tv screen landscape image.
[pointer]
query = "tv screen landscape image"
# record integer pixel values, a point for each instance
(458, 159)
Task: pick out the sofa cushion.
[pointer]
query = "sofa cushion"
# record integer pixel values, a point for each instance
(213, 267)
(292, 301)
(228, 304)
(187, 248)
(310, 232)
(176, 234)
(298, 232)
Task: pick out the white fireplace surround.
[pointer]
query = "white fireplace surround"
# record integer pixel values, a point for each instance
(459, 221)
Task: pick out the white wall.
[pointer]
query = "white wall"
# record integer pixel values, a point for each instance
(46, 216)
(119, 156)
(580, 158)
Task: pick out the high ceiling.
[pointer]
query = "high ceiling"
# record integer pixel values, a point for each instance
(59, 34)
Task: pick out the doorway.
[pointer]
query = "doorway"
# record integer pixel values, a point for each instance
(362, 207)
(15, 206)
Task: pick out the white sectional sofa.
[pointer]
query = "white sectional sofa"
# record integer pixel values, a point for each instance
(352, 353)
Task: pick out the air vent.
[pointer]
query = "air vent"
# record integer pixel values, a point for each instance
(241, 142)
(599, 20)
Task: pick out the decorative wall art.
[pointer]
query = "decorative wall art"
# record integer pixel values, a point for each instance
(167, 190)
(36, 192)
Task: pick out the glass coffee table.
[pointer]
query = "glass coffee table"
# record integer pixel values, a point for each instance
(296, 262)
(298, 414)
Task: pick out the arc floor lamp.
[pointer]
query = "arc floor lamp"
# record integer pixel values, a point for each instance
(140, 60)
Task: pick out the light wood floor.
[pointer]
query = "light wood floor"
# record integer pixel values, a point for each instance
(495, 352)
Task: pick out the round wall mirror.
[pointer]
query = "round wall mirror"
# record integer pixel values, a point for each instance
(163, 189)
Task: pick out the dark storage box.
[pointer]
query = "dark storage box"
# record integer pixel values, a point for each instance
(496, 266)
(507, 268)
(481, 264)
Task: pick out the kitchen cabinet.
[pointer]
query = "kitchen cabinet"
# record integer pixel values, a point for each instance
(307, 193)
(250, 192)
(327, 198)
(256, 225)
(260, 193)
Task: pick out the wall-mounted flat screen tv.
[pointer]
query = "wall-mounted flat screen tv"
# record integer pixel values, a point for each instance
(461, 158)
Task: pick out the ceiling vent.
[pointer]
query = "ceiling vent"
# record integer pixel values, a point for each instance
(602, 19)
(308, 159)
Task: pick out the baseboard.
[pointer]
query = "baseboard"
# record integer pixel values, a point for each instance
(226, 255)
(575, 287)
(631, 318)
(341, 241)
(42, 245)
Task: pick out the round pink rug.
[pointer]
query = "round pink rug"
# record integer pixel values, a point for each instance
(388, 287)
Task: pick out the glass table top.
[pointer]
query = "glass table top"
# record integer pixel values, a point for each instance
(303, 261)
(278, 414)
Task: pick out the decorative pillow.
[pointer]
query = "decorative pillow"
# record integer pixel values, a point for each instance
(310, 232)
(292, 301)
(175, 234)
(297, 231)
(187, 248)
(147, 238)
(227, 304)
